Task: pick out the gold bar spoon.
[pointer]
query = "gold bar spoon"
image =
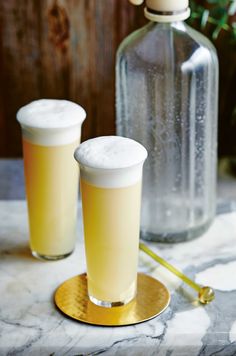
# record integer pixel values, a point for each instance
(205, 294)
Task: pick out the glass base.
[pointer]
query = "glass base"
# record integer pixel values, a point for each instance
(101, 303)
(50, 258)
(182, 236)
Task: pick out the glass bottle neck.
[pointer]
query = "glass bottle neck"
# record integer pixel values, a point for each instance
(178, 25)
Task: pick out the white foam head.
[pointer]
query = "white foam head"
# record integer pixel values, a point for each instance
(111, 161)
(51, 122)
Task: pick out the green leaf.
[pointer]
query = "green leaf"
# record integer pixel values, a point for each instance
(232, 8)
(219, 12)
(204, 18)
(222, 22)
(217, 15)
(216, 32)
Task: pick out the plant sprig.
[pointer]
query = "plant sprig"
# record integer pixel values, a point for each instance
(218, 15)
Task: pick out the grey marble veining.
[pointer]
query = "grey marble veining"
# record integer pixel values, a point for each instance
(31, 325)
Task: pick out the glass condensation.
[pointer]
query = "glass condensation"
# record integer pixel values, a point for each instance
(167, 95)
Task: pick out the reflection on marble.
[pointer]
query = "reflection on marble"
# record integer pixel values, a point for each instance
(31, 325)
(232, 335)
(221, 276)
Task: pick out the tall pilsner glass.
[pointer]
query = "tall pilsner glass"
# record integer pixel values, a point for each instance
(111, 180)
(51, 131)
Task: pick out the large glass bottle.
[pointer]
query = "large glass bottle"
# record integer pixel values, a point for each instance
(167, 99)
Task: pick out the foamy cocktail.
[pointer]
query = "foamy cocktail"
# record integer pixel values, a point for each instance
(51, 131)
(111, 180)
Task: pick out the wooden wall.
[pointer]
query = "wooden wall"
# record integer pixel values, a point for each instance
(66, 49)
(61, 49)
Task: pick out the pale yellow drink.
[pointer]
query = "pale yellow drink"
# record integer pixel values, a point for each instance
(51, 130)
(111, 229)
(52, 189)
(111, 176)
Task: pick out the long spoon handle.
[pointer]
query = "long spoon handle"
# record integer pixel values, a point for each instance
(205, 294)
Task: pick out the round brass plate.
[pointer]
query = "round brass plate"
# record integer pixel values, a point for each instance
(152, 299)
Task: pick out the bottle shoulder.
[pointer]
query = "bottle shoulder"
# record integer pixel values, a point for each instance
(154, 41)
(133, 39)
(200, 39)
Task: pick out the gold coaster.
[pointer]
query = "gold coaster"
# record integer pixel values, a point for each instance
(152, 299)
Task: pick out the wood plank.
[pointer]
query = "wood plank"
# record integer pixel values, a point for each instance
(61, 49)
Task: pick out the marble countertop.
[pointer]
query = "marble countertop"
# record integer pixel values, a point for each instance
(31, 325)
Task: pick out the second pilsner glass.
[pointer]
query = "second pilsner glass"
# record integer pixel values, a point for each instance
(51, 132)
